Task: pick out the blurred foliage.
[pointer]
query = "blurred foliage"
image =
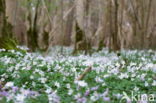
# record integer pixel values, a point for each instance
(9, 44)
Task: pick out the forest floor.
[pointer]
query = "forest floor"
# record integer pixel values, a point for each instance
(32, 78)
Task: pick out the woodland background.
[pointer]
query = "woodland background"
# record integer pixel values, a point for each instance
(116, 24)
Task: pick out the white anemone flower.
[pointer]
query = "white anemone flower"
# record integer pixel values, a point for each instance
(57, 84)
(70, 91)
(154, 83)
(81, 83)
(9, 84)
(20, 98)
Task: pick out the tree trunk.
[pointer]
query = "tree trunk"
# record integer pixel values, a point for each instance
(32, 31)
(5, 27)
(115, 31)
(69, 25)
(2, 16)
(6, 40)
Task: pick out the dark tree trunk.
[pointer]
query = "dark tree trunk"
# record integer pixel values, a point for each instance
(115, 33)
(33, 32)
(5, 27)
(2, 15)
(6, 40)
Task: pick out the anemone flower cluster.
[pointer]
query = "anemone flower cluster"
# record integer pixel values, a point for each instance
(32, 78)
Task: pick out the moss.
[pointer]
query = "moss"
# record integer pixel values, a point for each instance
(6, 40)
(2, 5)
(101, 45)
(81, 42)
(33, 31)
(46, 39)
(79, 39)
(7, 43)
(79, 34)
(32, 39)
(7, 29)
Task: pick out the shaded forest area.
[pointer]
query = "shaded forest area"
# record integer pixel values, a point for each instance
(116, 24)
(77, 51)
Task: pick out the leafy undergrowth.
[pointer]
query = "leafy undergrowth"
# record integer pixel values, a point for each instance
(31, 78)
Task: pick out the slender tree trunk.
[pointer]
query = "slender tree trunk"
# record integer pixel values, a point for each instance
(115, 31)
(33, 32)
(110, 25)
(69, 25)
(2, 16)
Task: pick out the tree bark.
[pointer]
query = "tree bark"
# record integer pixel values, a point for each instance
(115, 31)
(33, 30)
(5, 26)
